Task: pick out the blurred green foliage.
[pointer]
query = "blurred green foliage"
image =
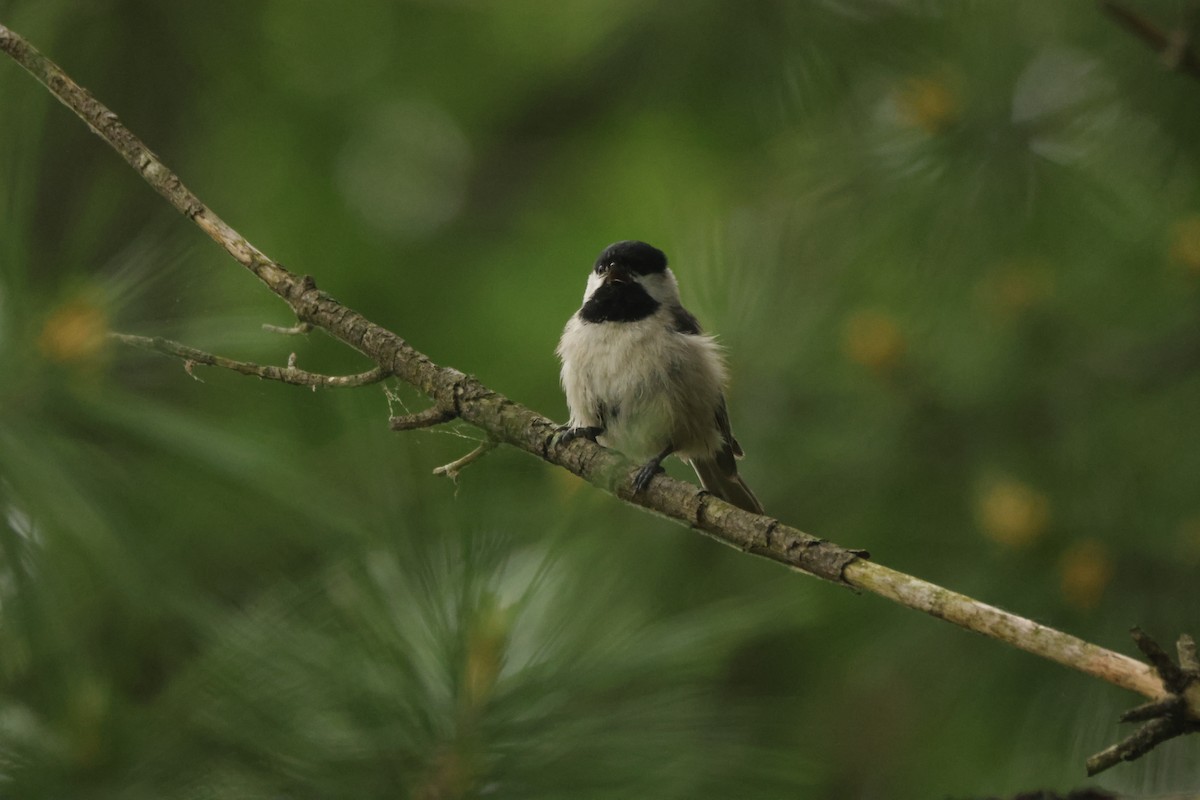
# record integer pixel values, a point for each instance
(952, 248)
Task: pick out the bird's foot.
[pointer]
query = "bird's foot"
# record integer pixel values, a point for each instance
(566, 434)
(645, 474)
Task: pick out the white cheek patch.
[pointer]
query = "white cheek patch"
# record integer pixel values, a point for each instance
(661, 286)
(593, 283)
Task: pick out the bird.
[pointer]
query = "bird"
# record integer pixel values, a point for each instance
(641, 377)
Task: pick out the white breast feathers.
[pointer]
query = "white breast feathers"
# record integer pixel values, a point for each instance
(649, 386)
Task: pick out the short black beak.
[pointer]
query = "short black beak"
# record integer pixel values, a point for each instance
(618, 273)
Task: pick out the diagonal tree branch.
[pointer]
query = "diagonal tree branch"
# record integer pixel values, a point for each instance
(506, 421)
(456, 394)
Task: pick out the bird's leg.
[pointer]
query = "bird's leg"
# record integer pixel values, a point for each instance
(567, 434)
(646, 473)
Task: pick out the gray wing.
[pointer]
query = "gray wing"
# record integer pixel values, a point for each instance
(718, 474)
(728, 486)
(685, 322)
(732, 447)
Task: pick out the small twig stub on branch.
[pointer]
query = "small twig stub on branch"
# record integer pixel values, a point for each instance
(1175, 715)
(505, 421)
(428, 418)
(298, 329)
(289, 374)
(453, 469)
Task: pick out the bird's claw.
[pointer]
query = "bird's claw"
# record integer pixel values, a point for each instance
(566, 434)
(645, 474)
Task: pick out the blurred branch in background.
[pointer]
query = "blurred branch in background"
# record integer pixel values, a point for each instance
(456, 394)
(1174, 46)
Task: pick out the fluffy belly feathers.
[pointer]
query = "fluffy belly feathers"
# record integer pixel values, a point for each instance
(649, 391)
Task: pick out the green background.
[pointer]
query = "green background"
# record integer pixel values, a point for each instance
(953, 250)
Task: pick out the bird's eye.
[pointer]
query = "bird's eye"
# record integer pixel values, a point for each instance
(602, 268)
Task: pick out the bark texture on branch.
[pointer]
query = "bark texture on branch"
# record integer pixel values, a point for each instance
(452, 391)
(458, 395)
(289, 374)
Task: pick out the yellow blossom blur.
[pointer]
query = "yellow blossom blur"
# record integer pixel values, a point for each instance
(89, 708)
(874, 340)
(487, 644)
(1185, 243)
(1013, 513)
(928, 103)
(1189, 539)
(74, 332)
(1015, 287)
(451, 773)
(1085, 570)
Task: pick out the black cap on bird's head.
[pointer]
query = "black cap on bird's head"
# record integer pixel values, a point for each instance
(636, 258)
(632, 281)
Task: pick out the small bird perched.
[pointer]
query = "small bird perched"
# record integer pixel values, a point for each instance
(642, 378)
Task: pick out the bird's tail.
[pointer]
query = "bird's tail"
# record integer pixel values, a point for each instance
(726, 484)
